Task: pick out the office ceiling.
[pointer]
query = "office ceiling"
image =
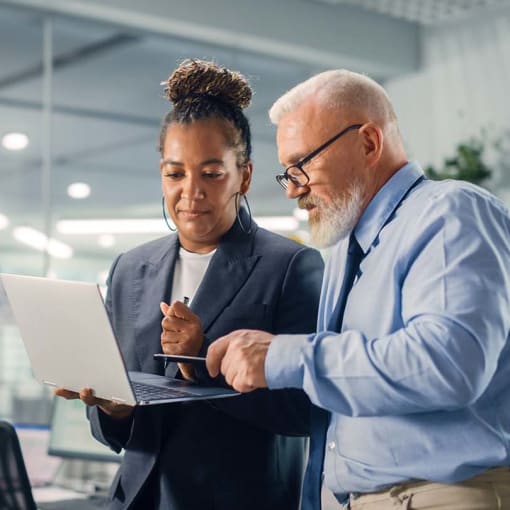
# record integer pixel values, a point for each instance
(425, 12)
(109, 58)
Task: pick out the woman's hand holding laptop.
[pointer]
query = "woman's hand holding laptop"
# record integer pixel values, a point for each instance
(86, 395)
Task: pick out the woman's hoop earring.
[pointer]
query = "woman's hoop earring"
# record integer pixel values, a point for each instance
(238, 216)
(164, 216)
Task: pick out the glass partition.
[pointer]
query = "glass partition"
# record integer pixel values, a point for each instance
(85, 97)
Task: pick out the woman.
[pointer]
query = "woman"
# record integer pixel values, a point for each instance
(219, 454)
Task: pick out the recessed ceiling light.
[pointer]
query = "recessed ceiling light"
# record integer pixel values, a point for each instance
(39, 241)
(4, 221)
(106, 241)
(78, 190)
(14, 141)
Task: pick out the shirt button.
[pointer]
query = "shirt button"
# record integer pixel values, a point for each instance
(331, 445)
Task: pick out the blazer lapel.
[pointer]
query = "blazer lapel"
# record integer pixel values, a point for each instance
(153, 285)
(222, 280)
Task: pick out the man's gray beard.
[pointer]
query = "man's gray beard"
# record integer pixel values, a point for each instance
(336, 220)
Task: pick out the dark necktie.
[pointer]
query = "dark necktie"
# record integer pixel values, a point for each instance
(354, 257)
(320, 417)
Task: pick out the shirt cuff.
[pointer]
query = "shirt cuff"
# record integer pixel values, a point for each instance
(284, 366)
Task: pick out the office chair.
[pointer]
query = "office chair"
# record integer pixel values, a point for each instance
(15, 490)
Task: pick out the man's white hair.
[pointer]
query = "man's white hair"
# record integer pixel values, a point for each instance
(339, 89)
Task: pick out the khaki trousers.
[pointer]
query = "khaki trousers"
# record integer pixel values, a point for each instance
(487, 491)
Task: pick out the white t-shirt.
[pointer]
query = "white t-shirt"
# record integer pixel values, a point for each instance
(188, 274)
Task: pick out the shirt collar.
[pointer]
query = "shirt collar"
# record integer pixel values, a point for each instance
(384, 203)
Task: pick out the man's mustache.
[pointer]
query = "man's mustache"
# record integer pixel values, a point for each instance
(306, 201)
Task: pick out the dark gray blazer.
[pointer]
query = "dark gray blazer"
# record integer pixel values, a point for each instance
(220, 454)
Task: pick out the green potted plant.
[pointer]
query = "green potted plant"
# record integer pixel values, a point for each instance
(466, 164)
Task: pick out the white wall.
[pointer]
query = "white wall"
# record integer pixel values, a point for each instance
(462, 87)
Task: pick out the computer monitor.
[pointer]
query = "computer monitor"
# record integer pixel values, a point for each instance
(34, 439)
(70, 435)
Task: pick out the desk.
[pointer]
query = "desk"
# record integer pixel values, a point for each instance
(53, 493)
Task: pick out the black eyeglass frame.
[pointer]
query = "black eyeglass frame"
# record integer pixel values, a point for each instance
(284, 178)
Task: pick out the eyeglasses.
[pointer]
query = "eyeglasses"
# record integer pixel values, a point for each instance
(295, 172)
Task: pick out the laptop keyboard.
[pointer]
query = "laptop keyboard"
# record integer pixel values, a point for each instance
(144, 391)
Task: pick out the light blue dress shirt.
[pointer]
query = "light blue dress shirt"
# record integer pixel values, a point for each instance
(418, 382)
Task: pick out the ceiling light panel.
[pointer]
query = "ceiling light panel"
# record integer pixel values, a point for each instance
(78, 190)
(14, 141)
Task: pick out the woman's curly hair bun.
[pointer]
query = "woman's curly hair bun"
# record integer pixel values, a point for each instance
(193, 79)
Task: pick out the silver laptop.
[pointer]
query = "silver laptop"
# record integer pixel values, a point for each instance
(71, 344)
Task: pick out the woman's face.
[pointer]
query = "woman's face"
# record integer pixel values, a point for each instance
(199, 179)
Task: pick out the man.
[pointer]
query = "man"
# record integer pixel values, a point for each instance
(414, 367)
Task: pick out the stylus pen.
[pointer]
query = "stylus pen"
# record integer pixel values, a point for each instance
(185, 300)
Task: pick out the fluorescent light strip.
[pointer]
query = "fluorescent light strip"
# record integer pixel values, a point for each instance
(300, 214)
(4, 221)
(278, 223)
(95, 227)
(39, 241)
(155, 226)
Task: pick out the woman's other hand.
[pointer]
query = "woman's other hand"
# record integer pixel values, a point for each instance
(181, 334)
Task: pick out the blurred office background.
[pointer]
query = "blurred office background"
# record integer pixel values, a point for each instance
(81, 103)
